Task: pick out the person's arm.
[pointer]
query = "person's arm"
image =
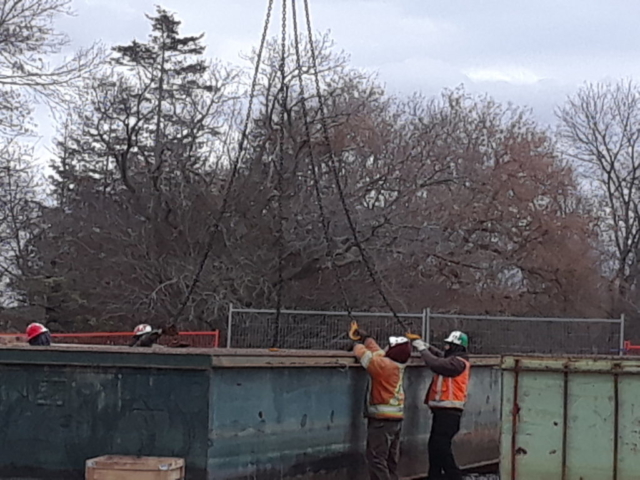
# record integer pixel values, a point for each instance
(365, 352)
(447, 367)
(421, 345)
(434, 358)
(436, 351)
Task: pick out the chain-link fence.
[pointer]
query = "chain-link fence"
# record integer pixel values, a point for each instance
(512, 335)
(488, 335)
(316, 330)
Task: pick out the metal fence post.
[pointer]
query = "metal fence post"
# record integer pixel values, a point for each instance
(423, 327)
(622, 334)
(427, 333)
(229, 321)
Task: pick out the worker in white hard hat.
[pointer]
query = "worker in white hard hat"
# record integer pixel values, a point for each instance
(446, 397)
(144, 336)
(385, 400)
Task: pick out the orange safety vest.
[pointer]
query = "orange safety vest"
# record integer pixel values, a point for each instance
(385, 396)
(449, 392)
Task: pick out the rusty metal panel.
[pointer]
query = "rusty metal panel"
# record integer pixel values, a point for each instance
(590, 427)
(231, 415)
(628, 427)
(53, 418)
(287, 423)
(570, 418)
(526, 397)
(309, 423)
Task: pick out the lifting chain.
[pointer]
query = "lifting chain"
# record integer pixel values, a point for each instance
(215, 228)
(336, 175)
(280, 172)
(313, 167)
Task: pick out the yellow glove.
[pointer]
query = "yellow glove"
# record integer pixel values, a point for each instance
(356, 334)
(353, 332)
(412, 336)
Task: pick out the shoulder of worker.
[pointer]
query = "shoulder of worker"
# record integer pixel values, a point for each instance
(464, 356)
(367, 352)
(381, 366)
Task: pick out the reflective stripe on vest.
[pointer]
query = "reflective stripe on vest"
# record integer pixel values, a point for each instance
(440, 397)
(366, 358)
(395, 407)
(386, 410)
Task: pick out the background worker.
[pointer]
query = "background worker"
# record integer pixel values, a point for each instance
(145, 336)
(38, 335)
(385, 400)
(446, 397)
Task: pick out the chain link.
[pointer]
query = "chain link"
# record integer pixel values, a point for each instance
(312, 161)
(334, 170)
(215, 228)
(280, 173)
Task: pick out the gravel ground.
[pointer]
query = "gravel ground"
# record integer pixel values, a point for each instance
(482, 476)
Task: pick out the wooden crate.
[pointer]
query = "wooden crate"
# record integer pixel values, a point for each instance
(117, 467)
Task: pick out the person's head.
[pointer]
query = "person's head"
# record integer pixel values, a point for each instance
(399, 349)
(142, 329)
(457, 342)
(38, 335)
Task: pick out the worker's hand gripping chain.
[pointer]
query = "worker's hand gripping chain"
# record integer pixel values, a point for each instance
(417, 342)
(357, 334)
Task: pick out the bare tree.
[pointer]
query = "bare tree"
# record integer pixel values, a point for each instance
(19, 215)
(600, 126)
(28, 42)
(139, 162)
(461, 203)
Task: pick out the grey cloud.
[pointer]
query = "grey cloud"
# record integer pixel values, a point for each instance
(532, 53)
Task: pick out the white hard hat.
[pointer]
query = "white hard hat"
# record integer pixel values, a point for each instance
(458, 338)
(142, 329)
(393, 341)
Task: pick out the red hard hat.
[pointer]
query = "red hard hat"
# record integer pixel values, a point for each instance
(142, 329)
(35, 329)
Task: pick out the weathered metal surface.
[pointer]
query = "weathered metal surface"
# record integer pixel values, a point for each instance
(281, 423)
(230, 414)
(570, 418)
(309, 423)
(53, 418)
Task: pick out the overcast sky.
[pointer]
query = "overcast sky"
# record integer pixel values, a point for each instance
(531, 53)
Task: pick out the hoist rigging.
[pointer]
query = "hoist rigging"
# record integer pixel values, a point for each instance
(336, 174)
(215, 227)
(279, 166)
(280, 173)
(312, 162)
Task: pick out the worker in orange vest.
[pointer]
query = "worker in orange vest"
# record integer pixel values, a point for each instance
(446, 397)
(385, 400)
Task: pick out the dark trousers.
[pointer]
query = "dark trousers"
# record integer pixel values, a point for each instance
(383, 448)
(445, 425)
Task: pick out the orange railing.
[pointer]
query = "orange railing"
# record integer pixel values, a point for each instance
(192, 339)
(629, 348)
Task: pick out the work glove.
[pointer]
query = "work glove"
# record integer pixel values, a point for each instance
(420, 344)
(357, 334)
(416, 341)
